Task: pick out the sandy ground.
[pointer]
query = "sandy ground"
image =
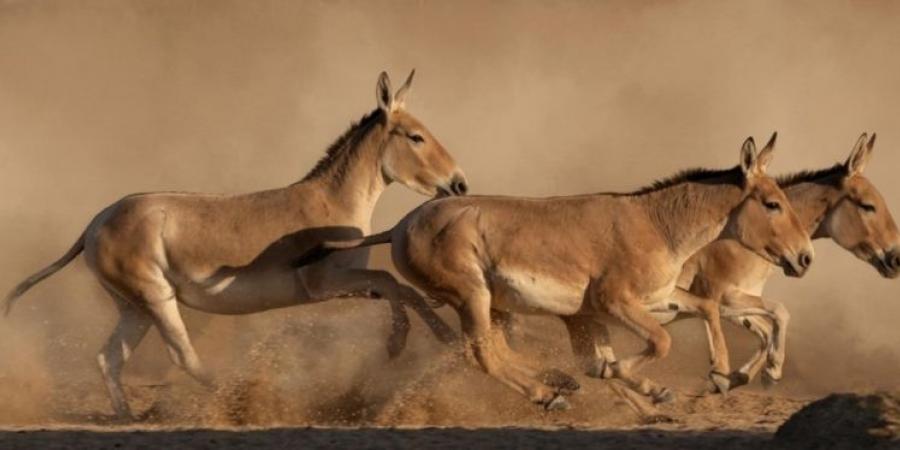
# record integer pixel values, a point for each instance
(424, 419)
(292, 382)
(743, 420)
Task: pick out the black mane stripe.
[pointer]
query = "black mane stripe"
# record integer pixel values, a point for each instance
(695, 175)
(701, 175)
(806, 176)
(344, 144)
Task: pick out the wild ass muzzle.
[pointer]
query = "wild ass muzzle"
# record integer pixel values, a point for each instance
(586, 257)
(231, 254)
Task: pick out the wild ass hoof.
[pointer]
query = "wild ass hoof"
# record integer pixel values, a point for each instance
(769, 381)
(721, 383)
(739, 379)
(599, 369)
(664, 395)
(563, 382)
(558, 403)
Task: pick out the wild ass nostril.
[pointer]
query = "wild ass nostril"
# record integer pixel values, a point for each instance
(805, 260)
(893, 260)
(459, 187)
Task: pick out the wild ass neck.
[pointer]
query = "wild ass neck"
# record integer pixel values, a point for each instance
(691, 215)
(350, 174)
(811, 201)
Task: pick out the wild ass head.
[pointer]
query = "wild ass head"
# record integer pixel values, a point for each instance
(860, 220)
(765, 222)
(411, 154)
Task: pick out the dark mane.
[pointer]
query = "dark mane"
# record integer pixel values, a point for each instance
(344, 147)
(696, 175)
(813, 176)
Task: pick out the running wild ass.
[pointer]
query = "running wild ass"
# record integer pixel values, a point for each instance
(727, 279)
(231, 254)
(585, 257)
(838, 203)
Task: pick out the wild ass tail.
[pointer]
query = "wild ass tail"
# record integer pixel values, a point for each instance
(326, 248)
(43, 273)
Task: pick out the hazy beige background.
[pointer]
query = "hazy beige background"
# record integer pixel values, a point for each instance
(100, 99)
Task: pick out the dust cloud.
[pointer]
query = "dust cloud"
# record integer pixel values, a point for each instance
(101, 99)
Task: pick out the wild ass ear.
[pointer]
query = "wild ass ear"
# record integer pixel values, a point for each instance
(765, 155)
(859, 156)
(400, 96)
(383, 93)
(748, 157)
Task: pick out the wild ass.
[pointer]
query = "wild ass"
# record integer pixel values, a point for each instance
(727, 280)
(838, 203)
(231, 254)
(584, 257)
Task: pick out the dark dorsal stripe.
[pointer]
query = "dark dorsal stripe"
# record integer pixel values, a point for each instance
(344, 147)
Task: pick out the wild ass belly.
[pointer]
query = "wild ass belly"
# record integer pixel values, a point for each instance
(526, 292)
(243, 292)
(658, 304)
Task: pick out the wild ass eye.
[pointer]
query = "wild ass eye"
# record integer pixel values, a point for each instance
(417, 138)
(869, 208)
(772, 206)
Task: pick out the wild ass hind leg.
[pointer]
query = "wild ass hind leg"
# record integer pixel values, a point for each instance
(593, 352)
(131, 328)
(475, 317)
(167, 319)
(564, 383)
(636, 318)
(328, 283)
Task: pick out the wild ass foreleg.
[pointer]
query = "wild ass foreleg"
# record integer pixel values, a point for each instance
(774, 334)
(762, 328)
(400, 327)
(332, 283)
(684, 302)
(634, 315)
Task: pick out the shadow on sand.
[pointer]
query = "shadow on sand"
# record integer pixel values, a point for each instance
(519, 438)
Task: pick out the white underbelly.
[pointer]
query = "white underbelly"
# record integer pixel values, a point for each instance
(525, 292)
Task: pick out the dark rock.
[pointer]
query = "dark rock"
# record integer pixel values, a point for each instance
(845, 421)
